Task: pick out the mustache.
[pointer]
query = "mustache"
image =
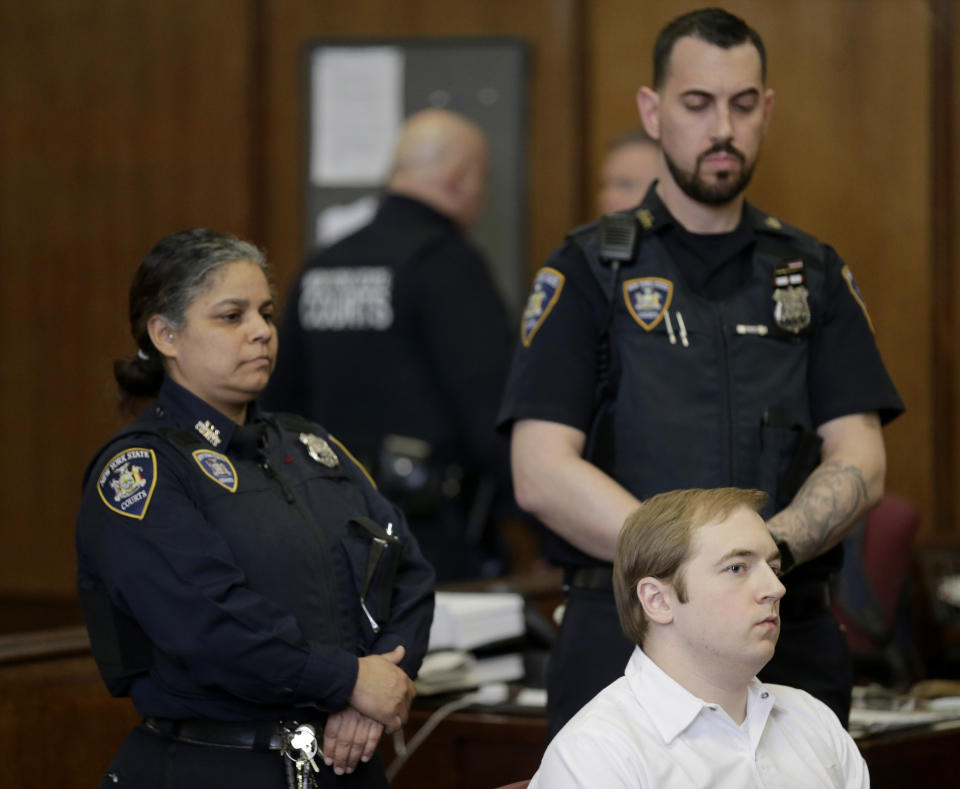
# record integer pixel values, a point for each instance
(722, 147)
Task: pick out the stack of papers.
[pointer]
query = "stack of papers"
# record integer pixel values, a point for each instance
(465, 621)
(448, 670)
(866, 721)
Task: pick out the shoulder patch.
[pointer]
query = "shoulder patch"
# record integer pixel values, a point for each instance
(647, 299)
(127, 481)
(218, 467)
(546, 290)
(847, 275)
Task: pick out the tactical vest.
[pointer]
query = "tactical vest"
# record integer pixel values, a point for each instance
(708, 393)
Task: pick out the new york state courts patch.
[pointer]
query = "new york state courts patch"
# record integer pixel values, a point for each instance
(127, 481)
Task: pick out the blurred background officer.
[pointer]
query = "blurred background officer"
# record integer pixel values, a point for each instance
(730, 350)
(629, 167)
(398, 336)
(239, 574)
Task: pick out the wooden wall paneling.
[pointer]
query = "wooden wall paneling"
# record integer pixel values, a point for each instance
(847, 158)
(554, 116)
(945, 259)
(121, 122)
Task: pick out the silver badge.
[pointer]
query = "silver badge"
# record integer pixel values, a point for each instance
(791, 310)
(319, 450)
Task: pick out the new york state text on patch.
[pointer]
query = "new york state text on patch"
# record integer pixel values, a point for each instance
(127, 481)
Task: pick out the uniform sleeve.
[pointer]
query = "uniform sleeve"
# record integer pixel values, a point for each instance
(553, 376)
(287, 386)
(847, 374)
(462, 323)
(173, 573)
(411, 610)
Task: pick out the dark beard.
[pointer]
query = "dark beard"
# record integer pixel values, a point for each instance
(721, 193)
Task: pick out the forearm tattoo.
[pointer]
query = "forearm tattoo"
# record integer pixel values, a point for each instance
(826, 503)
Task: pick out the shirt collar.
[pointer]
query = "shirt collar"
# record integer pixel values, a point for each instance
(191, 413)
(653, 215)
(673, 708)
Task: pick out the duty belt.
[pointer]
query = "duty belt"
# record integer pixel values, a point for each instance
(296, 741)
(588, 578)
(262, 736)
(800, 602)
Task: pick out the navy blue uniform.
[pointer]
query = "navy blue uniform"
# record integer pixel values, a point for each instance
(709, 391)
(235, 552)
(408, 306)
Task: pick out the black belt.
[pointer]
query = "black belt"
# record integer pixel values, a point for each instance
(809, 599)
(260, 736)
(588, 578)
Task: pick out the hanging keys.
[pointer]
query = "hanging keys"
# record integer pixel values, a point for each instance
(304, 742)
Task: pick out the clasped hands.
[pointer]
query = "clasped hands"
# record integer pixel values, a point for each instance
(380, 699)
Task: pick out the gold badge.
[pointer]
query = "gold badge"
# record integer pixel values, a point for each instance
(645, 217)
(319, 450)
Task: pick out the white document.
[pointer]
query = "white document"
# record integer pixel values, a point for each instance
(447, 671)
(465, 620)
(357, 101)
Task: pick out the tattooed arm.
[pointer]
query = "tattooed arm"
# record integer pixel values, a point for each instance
(847, 484)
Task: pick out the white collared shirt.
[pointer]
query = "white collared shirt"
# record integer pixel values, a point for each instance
(645, 731)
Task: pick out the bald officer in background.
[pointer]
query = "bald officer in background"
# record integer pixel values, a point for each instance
(398, 336)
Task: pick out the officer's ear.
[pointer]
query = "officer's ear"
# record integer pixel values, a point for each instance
(648, 104)
(163, 337)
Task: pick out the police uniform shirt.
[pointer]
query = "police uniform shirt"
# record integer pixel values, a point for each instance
(554, 370)
(232, 549)
(398, 329)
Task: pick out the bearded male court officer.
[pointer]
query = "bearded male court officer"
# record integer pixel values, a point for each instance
(407, 313)
(726, 348)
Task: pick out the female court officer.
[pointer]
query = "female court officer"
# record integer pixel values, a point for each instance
(241, 578)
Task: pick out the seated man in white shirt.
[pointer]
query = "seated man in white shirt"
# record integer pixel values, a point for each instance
(697, 589)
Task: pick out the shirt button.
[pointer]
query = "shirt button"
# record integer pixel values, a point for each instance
(764, 695)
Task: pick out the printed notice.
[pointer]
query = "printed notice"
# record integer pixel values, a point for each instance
(357, 101)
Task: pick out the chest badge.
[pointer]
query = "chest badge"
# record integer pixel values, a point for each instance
(791, 310)
(218, 467)
(319, 450)
(127, 482)
(647, 299)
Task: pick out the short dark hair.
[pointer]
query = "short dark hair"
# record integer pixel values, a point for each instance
(655, 542)
(167, 281)
(713, 25)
